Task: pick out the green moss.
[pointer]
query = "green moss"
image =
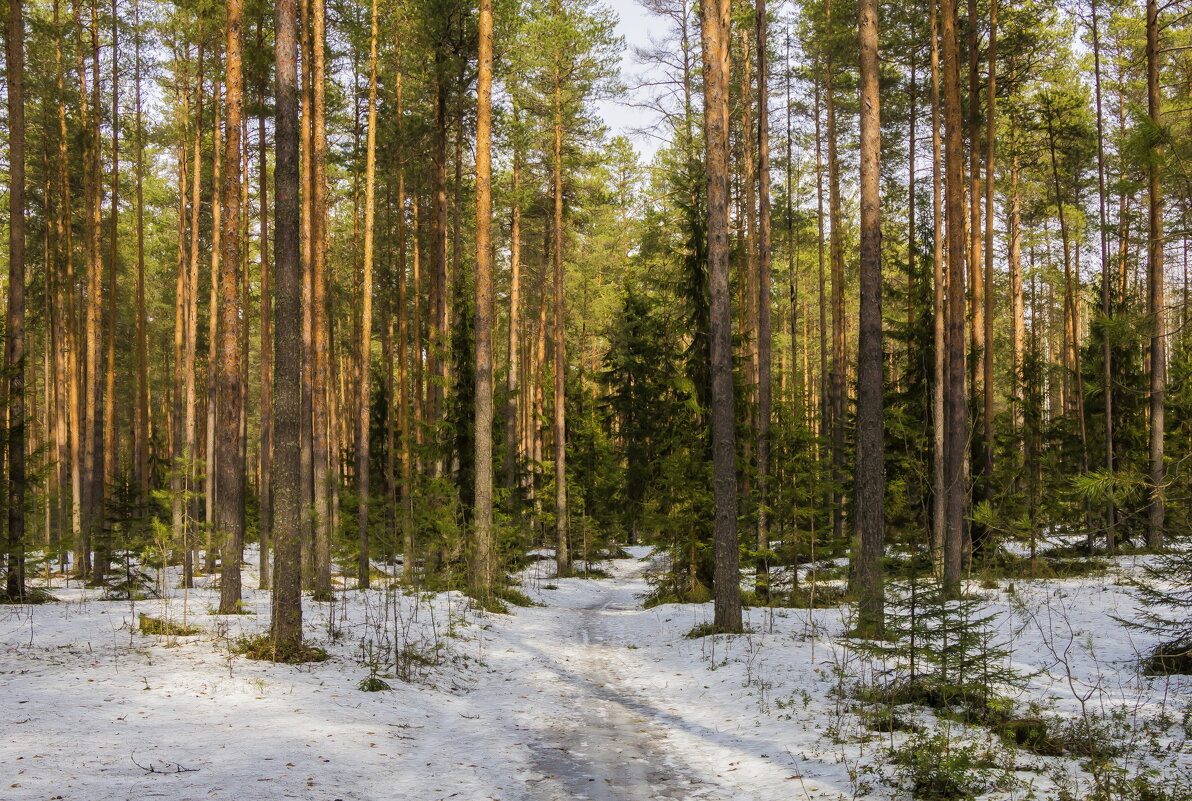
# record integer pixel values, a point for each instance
(263, 647)
(168, 628)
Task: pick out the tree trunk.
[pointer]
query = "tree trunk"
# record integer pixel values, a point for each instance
(211, 482)
(839, 388)
(715, 19)
(1156, 300)
(976, 465)
(288, 503)
(366, 299)
(141, 457)
(266, 458)
(870, 478)
(955, 402)
(562, 556)
(14, 350)
(177, 412)
(1017, 310)
(320, 386)
(92, 419)
(229, 459)
(191, 317)
(987, 312)
(307, 470)
(481, 567)
(512, 376)
(1106, 282)
(764, 401)
(111, 444)
(825, 415)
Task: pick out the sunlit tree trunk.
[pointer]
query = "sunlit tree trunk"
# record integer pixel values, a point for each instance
(513, 376)
(715, 21)
(191, 316)
(481, 567)
(366, 299)
(871, 471)
(764, 401)
(229, 458)
(321, 382)
(307, 470)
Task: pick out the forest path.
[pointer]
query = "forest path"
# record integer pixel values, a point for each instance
(601, 740)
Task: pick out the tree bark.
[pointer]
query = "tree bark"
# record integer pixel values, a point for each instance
(839, 386)
(321, 386)
(1156, 299)
(366, 300)
(286, 626)
(987, 312)
(266, 457)
(562, 555)
(111, 444)
(870, 478)
(14, 350)
(191, 317)
(764, 399)
(211, 480)
(307, 471)
(1106, 282)
(481, 567)
(955, 402)
(141, 458)
(715, 20)
(1017, 309)
(229, 458)
(512, 376)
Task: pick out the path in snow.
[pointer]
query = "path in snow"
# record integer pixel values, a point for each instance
(604, 743)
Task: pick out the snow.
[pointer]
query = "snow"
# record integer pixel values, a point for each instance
(585, 696)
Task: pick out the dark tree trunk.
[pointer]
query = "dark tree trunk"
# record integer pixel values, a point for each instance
(286, 628)
(14, 350)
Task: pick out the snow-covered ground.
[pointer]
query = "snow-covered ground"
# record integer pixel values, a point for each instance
(585, 696)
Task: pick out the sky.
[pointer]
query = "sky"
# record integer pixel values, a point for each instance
(633, 24)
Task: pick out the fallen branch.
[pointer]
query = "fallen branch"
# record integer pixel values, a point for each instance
(167, 767)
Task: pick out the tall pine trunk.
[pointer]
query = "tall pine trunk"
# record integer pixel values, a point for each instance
(288, 503)
(1157, 505)
(320, 325)
(558, 343)
(870, 478)
(481, 568)
(1106, 282)
(14, 348)
(715, 19)
(764, 399)
(366, 299)
(955, 398)
(229, 458)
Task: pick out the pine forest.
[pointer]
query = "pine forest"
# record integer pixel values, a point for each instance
(596, 399)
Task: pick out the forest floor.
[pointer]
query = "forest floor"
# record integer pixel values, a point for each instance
(585, 695)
